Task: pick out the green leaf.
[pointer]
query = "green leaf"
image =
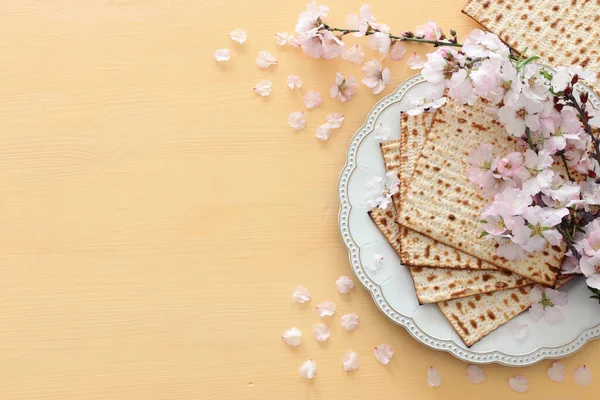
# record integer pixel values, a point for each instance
(546, 74)
(483, 234)
(522, 64)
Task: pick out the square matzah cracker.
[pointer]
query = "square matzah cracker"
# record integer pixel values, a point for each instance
(444, 205)
(561, 32)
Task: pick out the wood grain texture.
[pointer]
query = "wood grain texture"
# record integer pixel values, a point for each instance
(156, 214)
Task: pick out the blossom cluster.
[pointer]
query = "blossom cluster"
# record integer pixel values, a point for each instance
(547, 191)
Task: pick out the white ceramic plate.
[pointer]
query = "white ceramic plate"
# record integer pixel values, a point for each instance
(392, 287)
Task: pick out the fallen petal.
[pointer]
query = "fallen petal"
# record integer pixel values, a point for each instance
(297, 120)
(294, 82)
(334, 121)
(582, 376)
(238, 35)
(222, 55)
(475, 374)
(521, 332)
(381, 132)
(281, 38)
(326, 309)
(350, 321)
(519, 384)
(351, 361)
(323, 132)
(312, 100)
(265, 59)
(556, 373)
(434, 379)
(383, 353)
(321, 332)
(377, 263)
(263, 88)
(344, 284)
(300, 295)
(308, 370)
(415, 61)
(292, 337)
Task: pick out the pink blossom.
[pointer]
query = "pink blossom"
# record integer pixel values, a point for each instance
(397, 52)
(439, 65)
(333, 121)
(432, 100)
(482, 163)
(545, 303)
(381, 42)
(429, 31)
(508, 249)
(360, 22)
(539, 177)
(312, 100)
(461, 88)
(415, 61)
(354, 54)
(486, 77)
(524, 113)
(344, 88)
(375, 78)
(481, 44)
(510, 165)
(311, 18)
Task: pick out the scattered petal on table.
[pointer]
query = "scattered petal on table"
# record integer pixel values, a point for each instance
(297, 120)
(334, 120)
(263, 88)
(415, 61)
(434, 379)
(238, 35)
(556, 373)
(308, 370)
(582, 376)
(350, 322)
(294, 82)
(344, 284)
(312, 100)
(326, 309)
(323, 132)
(265, 59)
(521, 332)
(300, 295)
(222, 55)
(354, 54)
(383, 353)
(475, 374)
(321, 332)
(351, 361)
(376, 264)
(397, 52)
(519, 384)
(292, 337)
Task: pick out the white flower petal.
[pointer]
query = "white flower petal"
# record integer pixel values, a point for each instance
(323, 132)
(521, 332)
(351, 361)
(434, 379)
(334, 120)
(582, 376)
(552, 315)
(265, 59)
(475, 374)
(519, 384)
(350, 322)
(344, 284)
(292, 337)
(556, 373)
(383, 353)
(300, 295)
(263, 88)
(238, 35)
(376, 264)
(381, 132)
(281, 38)
(415, 61)
(294, 82)
(222, 55)
(308, 370)
(326, 309)
(312, 100)
(297, 120)
(321, 332)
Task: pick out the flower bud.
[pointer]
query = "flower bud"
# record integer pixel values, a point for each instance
(575, 79)
(452, 32)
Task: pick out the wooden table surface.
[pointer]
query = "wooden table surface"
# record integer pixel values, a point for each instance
(156, 214)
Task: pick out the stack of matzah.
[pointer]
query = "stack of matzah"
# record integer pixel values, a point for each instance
(433, 223)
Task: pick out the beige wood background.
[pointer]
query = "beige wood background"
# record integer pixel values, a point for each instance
(156, 215)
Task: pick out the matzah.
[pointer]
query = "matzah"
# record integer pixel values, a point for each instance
(561, 32)
(441, 203)
(391, 158)
(418, 250)
(475, 317)
(433, 285)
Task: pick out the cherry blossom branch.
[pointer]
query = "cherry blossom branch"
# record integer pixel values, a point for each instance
(584, 119)
(403, 38)
(564, 160)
